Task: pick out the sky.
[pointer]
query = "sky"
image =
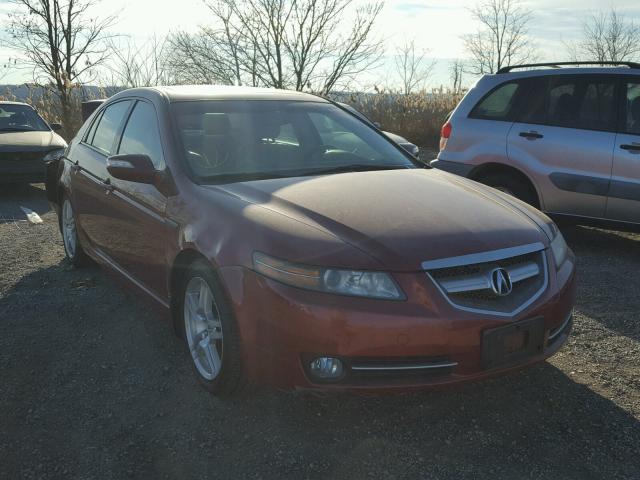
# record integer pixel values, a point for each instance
(436, 26)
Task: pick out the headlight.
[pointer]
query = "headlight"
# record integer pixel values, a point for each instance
(54, 155)
(343, 282)
(559, 248)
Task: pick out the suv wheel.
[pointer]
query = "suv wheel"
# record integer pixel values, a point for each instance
(210, 331)
(513, 186)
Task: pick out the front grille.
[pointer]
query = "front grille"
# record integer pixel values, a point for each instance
(467, 282)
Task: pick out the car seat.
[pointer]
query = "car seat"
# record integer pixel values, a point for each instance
(565, 113)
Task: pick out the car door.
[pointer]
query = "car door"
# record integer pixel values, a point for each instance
(137, 211)
(563, 138)
(624, 193)
(89, 177)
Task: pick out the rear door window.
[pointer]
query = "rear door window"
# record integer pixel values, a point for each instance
(108, 127)
(631, 108)
(141, 135)
(584, 102)
(498, 104)
(530, 103)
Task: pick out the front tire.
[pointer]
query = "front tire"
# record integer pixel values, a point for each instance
(72, 248)
(210, 331)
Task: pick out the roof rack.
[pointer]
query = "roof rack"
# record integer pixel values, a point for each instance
(564, 64)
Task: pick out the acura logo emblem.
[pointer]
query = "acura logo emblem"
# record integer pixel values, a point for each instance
(501, 282)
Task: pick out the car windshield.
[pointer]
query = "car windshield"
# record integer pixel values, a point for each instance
(20, 118)
(235, 140)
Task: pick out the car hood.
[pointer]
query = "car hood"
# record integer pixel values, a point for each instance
(399, 217)
(17, 140)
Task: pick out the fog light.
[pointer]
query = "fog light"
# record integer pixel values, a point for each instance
(326, 368)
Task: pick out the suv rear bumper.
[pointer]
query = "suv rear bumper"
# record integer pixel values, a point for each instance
(461, 169)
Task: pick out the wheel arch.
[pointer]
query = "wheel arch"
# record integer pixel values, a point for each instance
(494, 168)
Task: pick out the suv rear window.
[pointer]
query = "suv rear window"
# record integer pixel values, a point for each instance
(498, 104)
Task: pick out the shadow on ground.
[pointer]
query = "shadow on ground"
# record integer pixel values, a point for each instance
(95, 386)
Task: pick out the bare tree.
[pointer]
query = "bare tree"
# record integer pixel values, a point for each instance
(199, 59)
(297, 44)
(412, 67)
(607, 37)
(502, 38)
(61, 40)
(456, 70)
(134, 65)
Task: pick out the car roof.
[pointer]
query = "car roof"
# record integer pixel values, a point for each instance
(220, 92)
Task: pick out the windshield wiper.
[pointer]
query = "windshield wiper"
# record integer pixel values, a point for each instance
(238, 177)
(353, 167)
(248, 176)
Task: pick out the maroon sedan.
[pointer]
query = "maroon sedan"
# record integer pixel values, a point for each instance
(293, 244)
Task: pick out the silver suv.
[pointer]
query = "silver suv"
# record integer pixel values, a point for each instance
(566, 140)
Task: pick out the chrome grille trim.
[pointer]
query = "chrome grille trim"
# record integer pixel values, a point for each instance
(482, 256)
(480, 281)
(423, 366)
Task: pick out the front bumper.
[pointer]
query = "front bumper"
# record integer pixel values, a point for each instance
(282, 328)
(31, 171)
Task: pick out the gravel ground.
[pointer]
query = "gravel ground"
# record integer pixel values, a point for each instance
(93, 386)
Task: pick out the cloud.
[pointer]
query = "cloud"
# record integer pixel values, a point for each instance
(411, 7)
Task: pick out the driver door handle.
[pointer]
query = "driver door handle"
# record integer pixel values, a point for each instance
(531, 135)
(633, 148)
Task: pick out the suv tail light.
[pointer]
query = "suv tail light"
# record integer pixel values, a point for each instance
(445, 133)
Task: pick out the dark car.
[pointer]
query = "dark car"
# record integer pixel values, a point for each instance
(27, 143)
(290, 243)
(403, 142)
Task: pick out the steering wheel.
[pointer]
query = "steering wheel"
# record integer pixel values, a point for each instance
(207, 162)
(319, 149)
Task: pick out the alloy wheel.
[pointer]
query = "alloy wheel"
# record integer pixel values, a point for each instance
(69, 229)
(203, 328)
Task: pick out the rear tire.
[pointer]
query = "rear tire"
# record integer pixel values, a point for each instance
(512, 185)
(72, 247)
(206, 323)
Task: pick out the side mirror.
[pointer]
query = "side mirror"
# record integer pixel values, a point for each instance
(133, 168)
(55, 126)
(377, 125)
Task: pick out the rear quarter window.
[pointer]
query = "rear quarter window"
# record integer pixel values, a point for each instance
(497, 104)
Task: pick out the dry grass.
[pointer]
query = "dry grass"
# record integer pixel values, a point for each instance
(417, 117)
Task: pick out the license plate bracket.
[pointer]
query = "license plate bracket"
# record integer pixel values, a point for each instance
(513, 343)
